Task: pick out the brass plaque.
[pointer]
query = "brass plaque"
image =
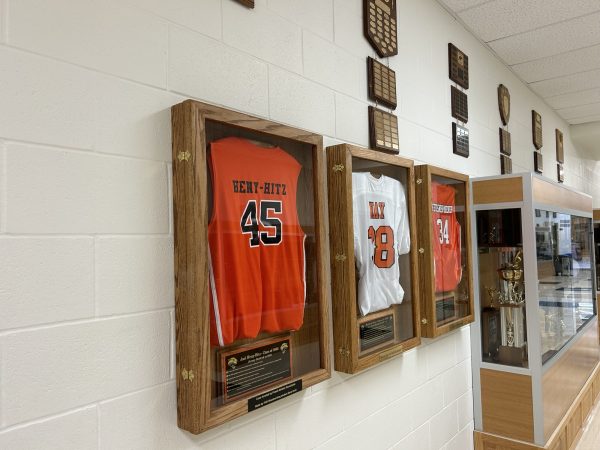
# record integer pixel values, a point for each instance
(560, 150)
(505, 164)
(460, 140)
(560, 173)
(380, 26)
(504, 103)
(382, 83)
(538, 162)
(383, 130)
(536, 124)
(458, 66)
(505, 147)
(460, 105)
(248, 3)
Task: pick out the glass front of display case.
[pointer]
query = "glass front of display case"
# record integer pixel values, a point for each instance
(565, 263)
(382, 227)
(502, 287)
(597, 252)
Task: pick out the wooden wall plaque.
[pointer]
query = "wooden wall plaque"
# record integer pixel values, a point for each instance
(383, 130)
(560, 149)
(382, 83)
(536, 128)
(459, 105)
(504, 104)
(505, 165)
(247, 3)
(538, 162)
(458, 64)
(200, 132)
(380, 26)
(505, 144)
(560, 173)
(460, 140)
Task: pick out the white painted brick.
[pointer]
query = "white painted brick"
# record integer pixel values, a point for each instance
(457, 381)
(463, 440)
(426, 401)
(259, 434)
(418, 439)
(348, 18)
(108, 37)
(53, 191)
(133, 120)
(313, 15)
(463, 343)
(133, 274)
(301, 103)
(3, 21)
(45, 280)
(441, 355)
(144, 420)
(263, 34)
(465, 409)
(2, 188)
(410, 139)
(351, 120)
(53, 369)
(334, 67)
(74, 431)
(208, 70)
(444, 426)
(204, 16)
(56, 108)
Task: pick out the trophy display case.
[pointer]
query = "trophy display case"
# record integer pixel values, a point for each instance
(251, 313)
(445, 268)
(373, 256)
(535, 353)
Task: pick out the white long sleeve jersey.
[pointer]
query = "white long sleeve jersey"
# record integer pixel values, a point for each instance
(381, 233)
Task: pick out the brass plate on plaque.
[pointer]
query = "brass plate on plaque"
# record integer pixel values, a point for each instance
(560, 173)
(458, 66)
(538, 162)
(460, 140)
(505, 146)
(505, 164)
(383, 130)
(504, 104)
(536, 125)
(382, 83)
(251, 368)
(445, 309)
(560, 150)
(380, 26)
(460, 105)
(248, 3)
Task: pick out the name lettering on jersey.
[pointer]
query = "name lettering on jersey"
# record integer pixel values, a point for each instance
(255, 187)
(376, 210)
(446, 209)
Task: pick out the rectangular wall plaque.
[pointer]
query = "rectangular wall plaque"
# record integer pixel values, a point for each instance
(445, 309)
(380, 26)
(273, 395)
(382, 83)
(460, 140)
(505, 147)
(538, 162)
(460, 105)
(560, 172)
(376, 332)
(458, 66)
(383, 130)
(536, 128)
(560, 151)
(505, 164)
(248, 3)
(253, 367)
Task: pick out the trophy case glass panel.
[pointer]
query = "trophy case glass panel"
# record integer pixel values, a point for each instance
(565, 263)
(450, 253)
(263, 281)
(597, 253)
(381, 224)
(501, 287)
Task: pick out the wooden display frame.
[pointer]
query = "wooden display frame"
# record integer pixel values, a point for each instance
(193, 124)
(429, 298)
(346, 319)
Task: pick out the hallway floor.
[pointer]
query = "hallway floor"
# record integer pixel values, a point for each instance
(590, 439)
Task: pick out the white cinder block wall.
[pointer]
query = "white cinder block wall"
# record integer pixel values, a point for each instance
(86, 277)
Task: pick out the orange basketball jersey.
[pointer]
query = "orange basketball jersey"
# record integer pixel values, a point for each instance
(256, 243)
(446, 238)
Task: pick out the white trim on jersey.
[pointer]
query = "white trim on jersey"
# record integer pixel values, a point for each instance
(213, 289)
(304, 270)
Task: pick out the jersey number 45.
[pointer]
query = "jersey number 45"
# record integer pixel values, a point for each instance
(250, 220)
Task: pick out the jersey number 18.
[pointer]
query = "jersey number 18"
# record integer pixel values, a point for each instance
(383, 240)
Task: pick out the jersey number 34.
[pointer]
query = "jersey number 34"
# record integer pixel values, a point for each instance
(383, 241)
(443, 236)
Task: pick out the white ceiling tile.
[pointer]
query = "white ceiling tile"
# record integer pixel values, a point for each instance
(560, 65)
(551, 40)
(502, 18)
(575, 112)
(569, 83)
(574, 99)
(584, 120)
(459, 5)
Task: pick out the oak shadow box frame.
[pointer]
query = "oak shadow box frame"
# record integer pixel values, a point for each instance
(446, 304)
(200, 369)
(342, 161)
